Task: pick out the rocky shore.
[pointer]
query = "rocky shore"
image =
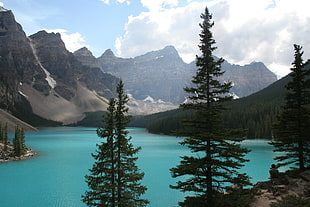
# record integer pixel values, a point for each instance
(294, 183)
(8, 155)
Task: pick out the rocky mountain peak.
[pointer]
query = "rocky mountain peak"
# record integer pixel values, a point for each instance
(83, 52)
(2, 9)
(167, 53)
(107, 54)
(49, 40)
(170, 50)
(18, 64)
(86, 57)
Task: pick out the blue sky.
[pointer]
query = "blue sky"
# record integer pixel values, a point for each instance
(244, 31)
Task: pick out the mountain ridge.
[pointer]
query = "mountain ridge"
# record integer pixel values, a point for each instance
(39, 69)
(165, 71)
(63, 86)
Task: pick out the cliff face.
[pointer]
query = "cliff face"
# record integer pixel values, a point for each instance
(249, 78)
(17, 62)
(52, 54)
(54, 82)
(161, 74)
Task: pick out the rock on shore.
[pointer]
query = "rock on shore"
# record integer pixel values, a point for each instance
(8, 155)
(297, 184)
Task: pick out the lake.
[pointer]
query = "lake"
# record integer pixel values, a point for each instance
(55, 178)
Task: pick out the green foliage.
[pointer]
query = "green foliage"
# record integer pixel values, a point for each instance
(5, 137)
(292, 127)
(291, 201)
(235, 198)
(216, 152)
(114, 179)
(19, 142)
(1, 134)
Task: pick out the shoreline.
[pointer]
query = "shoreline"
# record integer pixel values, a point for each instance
(28, 154)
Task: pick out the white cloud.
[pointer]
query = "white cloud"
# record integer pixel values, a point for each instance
(159, 4)
(119, 1)
(159, 28)
(73, 41)
(106, 1)
(245, 30)
(1, 4)
(123, 1)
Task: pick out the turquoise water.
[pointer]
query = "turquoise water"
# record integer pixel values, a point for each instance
(55, 178)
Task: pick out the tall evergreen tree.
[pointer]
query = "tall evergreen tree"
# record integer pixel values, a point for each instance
(101, 180)
(5, 137)
(19, 142)
(114, 180)
(129, 188)
(292, 132)
(1, 133)
(216, 153)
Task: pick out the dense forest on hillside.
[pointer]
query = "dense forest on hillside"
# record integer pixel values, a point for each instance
(255, 113)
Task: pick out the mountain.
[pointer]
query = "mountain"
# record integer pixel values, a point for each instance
(17, 61)
(40, 72)
(162, 75)
(247, 79)
(86, 58)
(40, 79)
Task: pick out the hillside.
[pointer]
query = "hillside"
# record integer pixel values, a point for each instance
(12, 122)
(256, 113)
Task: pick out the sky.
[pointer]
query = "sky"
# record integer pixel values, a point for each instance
(244, 30)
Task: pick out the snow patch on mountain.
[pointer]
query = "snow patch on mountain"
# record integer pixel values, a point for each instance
(21, 93)
(51, 82)
(152, 100)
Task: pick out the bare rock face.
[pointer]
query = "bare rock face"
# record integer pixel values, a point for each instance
(249, 78)
(18, 64)
(162, 75)
(66, 69)
(86, 58)
(59, 62)
(39, 69)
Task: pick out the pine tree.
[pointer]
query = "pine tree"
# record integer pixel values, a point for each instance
(101, 180)
(129, 188)
(1, 133)
(216, 153)
(114, 180)
(19, 142)
(292, 132)
(22, 140)
(5, 137)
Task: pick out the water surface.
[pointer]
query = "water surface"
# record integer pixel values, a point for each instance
(55, 178)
